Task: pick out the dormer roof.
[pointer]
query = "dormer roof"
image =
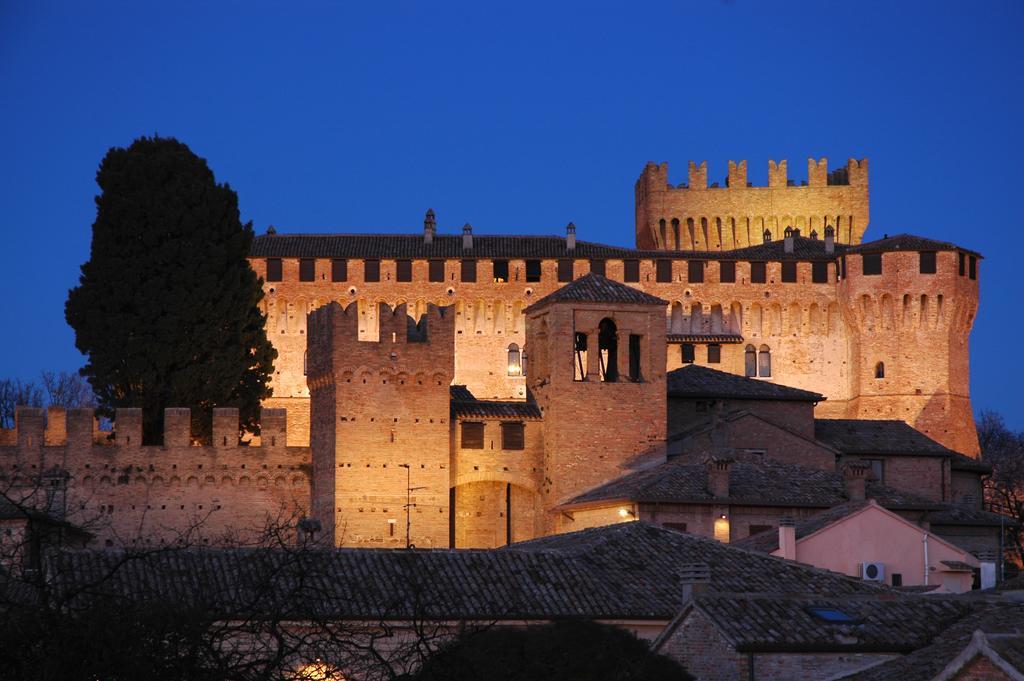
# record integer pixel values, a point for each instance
(593, 288)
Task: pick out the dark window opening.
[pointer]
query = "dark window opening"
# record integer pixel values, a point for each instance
(880, 370)
(579, 348)
(897, 579)
(436, 270)
(789, 272)
(819, 272)
(371, 270)
(714, 353)
(727, 272)
(273, 269)
(928, 262)
(962, 262)
(750, 362)
(597, 266)
(500, 271)
(758, 529)
(758, 273)
(634, 358)
(842, 261)
(663, 271)
(608, 347)
(564, 270)
(416, 331)
(307, 269)
(764, 362)
(468, 273)
(688, 353)
(513, 436)
(472, 435)
(872, 263)
(339, 269)
(631, 270)
(972, 267)
(695, 271)
(877, 469)
(403, 270)
(532, 271)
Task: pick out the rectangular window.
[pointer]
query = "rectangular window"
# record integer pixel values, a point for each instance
(513, 436)
(872, 263)
(403, 270)
(789, 272)
(663, 271)
(532, 271)
(750, 362)
(500, 271)
(631, 270)
(897, 579)
(339, 269)
(972, 267)
(843, 263)
(564, 270)
(877, 469)
(468, 273)
(758, 273)
(962, 258)
(927, 262)
(436, 270)
(695, 271)
(371, 270)
(714, 353)
(689, 353)
(727, 271)
(273, 269)
(597, 266)
(758, 529)
(472, 435)
(819, 272)
(634, 358)
(307, 269)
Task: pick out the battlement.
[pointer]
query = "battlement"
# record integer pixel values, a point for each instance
(854, 173)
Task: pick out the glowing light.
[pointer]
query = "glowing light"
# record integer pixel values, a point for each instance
(318, 671)
(626, 513)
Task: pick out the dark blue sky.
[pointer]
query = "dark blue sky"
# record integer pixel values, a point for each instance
(516, 118)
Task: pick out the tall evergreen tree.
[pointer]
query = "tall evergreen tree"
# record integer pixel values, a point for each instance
(167, 308)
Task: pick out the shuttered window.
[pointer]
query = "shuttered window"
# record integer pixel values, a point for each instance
(274, 269)
(597, 266)
(468, 273)
(631, 270)
(564, 270)
(500, 271)
(819, 272)
(663, 271)
(872, 263)
(532, 271)
(714, 353)
(339, 269)
(789, 272)
(307, 269)
(371, 270)
(927, 262)
(403, 270)
(689, 355)
(513, 436)
(436, 270)
(727, 272)
(472, 435)
(695, 271)
(758, 273)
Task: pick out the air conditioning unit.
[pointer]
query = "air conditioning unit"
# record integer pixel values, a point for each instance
(874, 572)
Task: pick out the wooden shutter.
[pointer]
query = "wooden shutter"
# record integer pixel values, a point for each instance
(472, 435)
(513, 436)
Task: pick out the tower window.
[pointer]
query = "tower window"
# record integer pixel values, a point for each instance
(305, 363)
(714, 353)
(608, 347)
(764, 362)
(663, 271)
(842, 262)
(758, 273)
(532, 271)
(750, 362)
(564, 270)
(307, 269)
(273, 269)
(597, 266)
(880, 370)
(403, 270)
(472, 435)
(872, 263)
(631, 270)
(515, 360)
(436, 270)
(688, 354)
(695, 271)
(961, 259)
(371, 270)
(927, 262)
(500, 271)
(789, 272)
(339, 269)
(972, 267)
(727, 272)
(819, 272)
(579, 347)
(468, 273)
(513, 436)
(634, 358)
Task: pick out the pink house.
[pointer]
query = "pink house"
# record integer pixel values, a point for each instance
(862, 539)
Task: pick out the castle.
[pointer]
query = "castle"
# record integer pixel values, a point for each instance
(471, 390)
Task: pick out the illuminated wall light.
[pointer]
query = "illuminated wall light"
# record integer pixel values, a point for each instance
(722, 528)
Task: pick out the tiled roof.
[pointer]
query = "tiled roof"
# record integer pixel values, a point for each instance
(704, 338)
(593, 288)
(904, 242)
(927, 662)
(804, 248)
(621, 571)
(954, 514)
(960, 462)
(768, 623)
(694, 381)
(466, 405)
(861, 436)
(769, 541)
(957, 565)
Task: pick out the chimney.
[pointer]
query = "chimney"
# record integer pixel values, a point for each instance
(855, 475)
(694, 579)
(830, 239)
(718, 476)
(787, 538)
(787, 243)
(429, 227)
(467, 237)
(570, 237)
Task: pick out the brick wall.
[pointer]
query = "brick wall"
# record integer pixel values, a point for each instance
(981, 669)
(702, 650)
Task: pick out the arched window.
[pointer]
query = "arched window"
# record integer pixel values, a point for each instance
(608, 347)
(515, 361)
(880, 370)
(305, 362)
(579, 348)
(764, 362)
(750, 362)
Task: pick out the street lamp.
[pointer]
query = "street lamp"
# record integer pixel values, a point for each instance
(409, 489)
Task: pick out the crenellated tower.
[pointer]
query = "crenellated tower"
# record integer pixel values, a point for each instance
(379, 431)
(696, 216)
(911, 303)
